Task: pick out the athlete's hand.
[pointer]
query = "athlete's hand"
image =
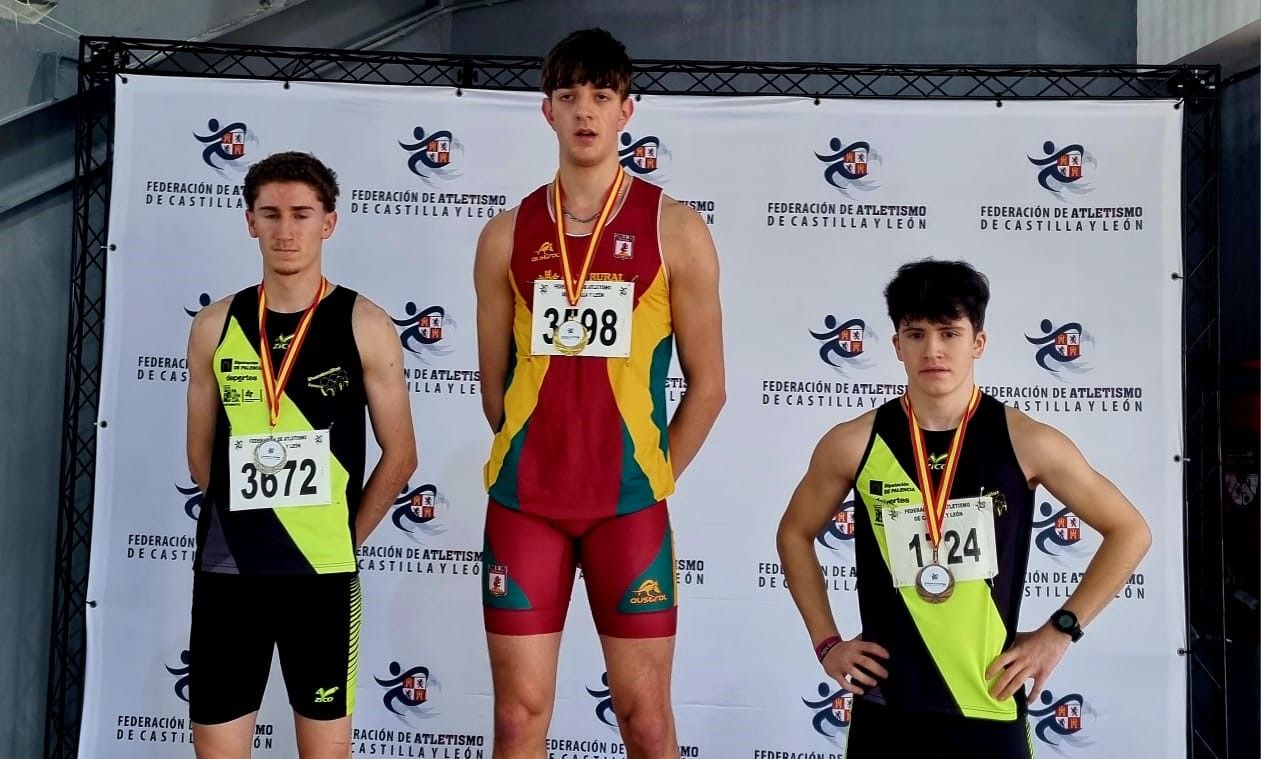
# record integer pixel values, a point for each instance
(1034, 656)
(853, 662)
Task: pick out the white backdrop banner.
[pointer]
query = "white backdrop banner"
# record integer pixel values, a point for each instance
(1070, 208)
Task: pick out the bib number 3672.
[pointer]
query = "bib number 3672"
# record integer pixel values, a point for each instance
(261, 479)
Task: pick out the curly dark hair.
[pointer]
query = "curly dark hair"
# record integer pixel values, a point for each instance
(588, 56)
(939, 291)
(293, 166)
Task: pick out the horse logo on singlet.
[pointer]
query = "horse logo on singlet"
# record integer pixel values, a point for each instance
(648, 592)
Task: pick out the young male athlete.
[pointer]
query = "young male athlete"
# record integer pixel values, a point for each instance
(943, 481)
(581, 292)
(279, 376)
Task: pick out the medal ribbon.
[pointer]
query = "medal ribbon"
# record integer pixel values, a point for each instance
(274, 384)
(573, 287)
(935, 498)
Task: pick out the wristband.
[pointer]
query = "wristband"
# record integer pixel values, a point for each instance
(825, 645)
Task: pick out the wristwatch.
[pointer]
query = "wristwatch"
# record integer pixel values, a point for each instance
(1066, 622)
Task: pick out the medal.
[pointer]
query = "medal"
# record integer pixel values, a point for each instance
(935, 583)
(270, 456)
(571, 337)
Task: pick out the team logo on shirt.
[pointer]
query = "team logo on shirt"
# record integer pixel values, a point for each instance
(329, 382)
(842, 344)
(409, 692)
(417, 509)
(644, 156)
(831, 711)
(849, 166)
(1062, 348)
(422, 331)
(1061, 723)
(623, 246)
(840, 528)
(497, 580)
(192, 499)
(1063, 169)
(432, 154)
(180, 674)
(1059, 532)
(225, 145)
(604, 702)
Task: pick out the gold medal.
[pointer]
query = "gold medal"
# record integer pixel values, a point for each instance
(571, 337)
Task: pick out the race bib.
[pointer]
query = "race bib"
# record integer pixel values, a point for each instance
(279, 471)
(600, 325)
(967, 549)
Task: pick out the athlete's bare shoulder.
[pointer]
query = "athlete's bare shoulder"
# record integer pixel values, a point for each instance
(208, 324)
(846, 443)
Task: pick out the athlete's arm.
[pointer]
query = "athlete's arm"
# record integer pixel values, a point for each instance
(1050, 459)
(381, 356)
(203, 390)
(692, 266)
(829, 478)
(491, 280)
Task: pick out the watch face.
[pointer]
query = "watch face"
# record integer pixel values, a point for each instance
(1064, 621)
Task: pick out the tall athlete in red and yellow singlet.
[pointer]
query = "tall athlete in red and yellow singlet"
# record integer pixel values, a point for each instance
(582, 292)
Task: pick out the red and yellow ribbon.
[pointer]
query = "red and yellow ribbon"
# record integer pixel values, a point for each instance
(274, 384)
(573, 287)
(935, 498)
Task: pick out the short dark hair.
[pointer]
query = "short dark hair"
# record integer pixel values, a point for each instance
(588, 56)
(939, 291)
(293, 166)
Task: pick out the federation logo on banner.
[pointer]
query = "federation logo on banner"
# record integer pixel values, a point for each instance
(180, 674)
(192, 499)
(225, 146)
(409, 693)
(416, 511)
(644, 157)
(431, 155)
(603, 696)
(849, 167)
(1059, 533)
(842, 344)
(1064, 169)
(203, 300)
(1063, 723)
(840, 529)
(422, 331)
(1062, 348)
(832, 711)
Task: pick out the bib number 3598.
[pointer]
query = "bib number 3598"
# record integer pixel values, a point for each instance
(262, 478)
(600, 322)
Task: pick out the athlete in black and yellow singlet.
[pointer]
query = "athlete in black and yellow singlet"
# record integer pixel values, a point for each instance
(280, 378)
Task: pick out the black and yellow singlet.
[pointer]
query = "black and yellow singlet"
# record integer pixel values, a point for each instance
(938, 652)
(325, 392)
